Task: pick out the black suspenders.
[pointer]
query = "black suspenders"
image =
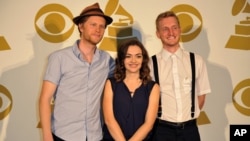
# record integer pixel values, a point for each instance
(156, 80)
(192, 60)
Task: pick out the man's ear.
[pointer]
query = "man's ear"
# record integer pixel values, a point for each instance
(157, 34)
(80, 27)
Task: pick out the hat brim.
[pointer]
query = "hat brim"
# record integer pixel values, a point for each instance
(77, 19)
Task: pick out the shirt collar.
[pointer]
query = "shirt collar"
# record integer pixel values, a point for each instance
(166, 55)
(76, 50)
(78, 54)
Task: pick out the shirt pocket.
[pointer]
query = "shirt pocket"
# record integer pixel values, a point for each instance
(187, 85)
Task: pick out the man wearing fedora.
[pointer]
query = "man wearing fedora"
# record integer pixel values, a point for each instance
(74, 80)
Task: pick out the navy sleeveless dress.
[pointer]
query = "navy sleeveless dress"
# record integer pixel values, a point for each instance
(128, 111)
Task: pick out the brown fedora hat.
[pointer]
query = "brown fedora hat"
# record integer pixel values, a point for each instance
(92, 10)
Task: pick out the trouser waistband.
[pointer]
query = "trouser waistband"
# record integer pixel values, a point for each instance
(177, 124)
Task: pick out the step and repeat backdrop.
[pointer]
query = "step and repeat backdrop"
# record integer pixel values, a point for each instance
(217, 30)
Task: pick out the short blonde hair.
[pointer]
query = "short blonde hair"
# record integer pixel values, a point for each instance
(166, 14)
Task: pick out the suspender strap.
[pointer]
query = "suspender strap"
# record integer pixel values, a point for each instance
(192, 60)
(156, 80)
(155, 69)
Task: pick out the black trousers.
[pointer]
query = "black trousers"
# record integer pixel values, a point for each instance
(57, 138)
(168, 131)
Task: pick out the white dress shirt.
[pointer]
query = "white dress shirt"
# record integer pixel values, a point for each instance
(175, 84)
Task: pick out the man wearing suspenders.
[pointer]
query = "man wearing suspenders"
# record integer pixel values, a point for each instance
(183, 80)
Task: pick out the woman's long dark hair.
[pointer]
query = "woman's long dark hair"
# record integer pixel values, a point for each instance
(121, 55)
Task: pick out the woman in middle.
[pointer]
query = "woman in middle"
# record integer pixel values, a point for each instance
(131, 98)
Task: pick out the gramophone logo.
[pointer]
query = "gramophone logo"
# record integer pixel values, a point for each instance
(120, 29)
(3, 44)
(241, 39)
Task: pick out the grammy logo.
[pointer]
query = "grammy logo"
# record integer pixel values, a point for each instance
(120, 29)
(3, 44)
(242, 30)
